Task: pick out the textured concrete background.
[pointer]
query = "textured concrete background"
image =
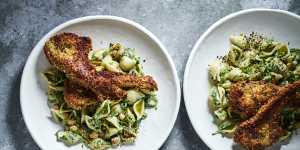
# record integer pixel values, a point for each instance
(177, 23)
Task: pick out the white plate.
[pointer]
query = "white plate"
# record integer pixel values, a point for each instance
(281, 25)
(103, 30)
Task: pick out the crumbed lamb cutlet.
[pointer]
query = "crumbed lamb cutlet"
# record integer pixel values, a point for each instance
(246, 97)
(68, 52)
(78, 97)
(263, 128)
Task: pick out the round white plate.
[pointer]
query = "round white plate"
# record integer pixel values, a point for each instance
(280, 25)
(103, 30)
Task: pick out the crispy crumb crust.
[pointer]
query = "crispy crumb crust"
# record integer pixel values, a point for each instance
(263, 129)
(246, 97)
(69, 53)
(78, 97)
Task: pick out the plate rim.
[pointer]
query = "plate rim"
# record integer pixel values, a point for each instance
(36, 51)
(195, 49)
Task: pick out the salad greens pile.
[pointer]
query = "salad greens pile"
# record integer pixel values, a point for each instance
(252, 57)
(109, 123)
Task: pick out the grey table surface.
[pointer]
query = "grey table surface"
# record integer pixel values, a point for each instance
(177, 23)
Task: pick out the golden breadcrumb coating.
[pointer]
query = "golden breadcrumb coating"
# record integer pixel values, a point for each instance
(263, 129)
(78, 97)
(68, 52)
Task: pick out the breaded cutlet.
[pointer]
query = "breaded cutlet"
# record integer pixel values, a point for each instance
(68, 52)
